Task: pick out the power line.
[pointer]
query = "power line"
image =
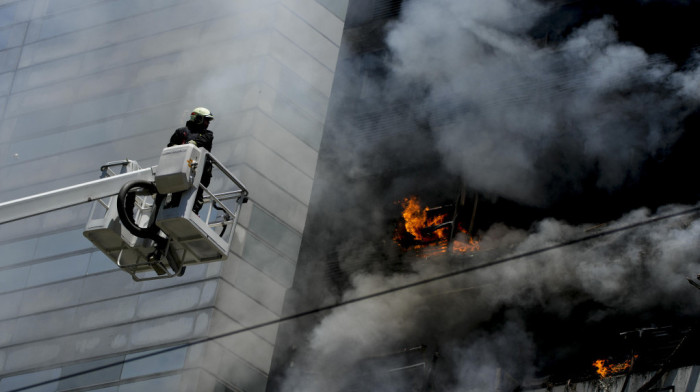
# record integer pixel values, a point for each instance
(421, 282)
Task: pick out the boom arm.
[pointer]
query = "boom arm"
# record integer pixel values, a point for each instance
(70, 196)
(136, 228)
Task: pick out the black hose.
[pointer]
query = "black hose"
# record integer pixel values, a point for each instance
(125, 207)
(223, 230)
(226, 217)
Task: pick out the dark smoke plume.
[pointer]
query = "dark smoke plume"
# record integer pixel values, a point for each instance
(527, 121)
(515, 115)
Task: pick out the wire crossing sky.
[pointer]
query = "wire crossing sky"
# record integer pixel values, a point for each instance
(421, 282)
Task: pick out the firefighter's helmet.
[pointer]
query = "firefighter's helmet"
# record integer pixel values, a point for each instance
(198, 115)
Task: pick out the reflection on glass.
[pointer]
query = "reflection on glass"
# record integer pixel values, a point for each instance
(268, 261)
(61, 243)
(96, 377)
(168, 383)
(58, 269)
(272, 231)
(17, 252)
(23, 380)
(13, 279)
(157, 363)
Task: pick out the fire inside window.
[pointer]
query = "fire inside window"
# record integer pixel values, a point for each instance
(435, 230)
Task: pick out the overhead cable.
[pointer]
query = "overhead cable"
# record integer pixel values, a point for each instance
(380, 293)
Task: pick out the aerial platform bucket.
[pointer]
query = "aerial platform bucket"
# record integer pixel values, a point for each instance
(207, 236)
(105, 231)
(183, 237)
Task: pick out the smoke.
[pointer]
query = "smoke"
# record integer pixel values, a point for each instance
(530, 121)
(463, 317)
(527, 121)
(631, 271)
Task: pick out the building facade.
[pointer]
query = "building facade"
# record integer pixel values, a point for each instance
(84, 82)
(376, 151)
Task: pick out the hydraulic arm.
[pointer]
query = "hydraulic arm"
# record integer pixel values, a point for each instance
(72, 195)
(145, 220)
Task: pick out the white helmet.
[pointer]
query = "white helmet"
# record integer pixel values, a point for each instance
(199, 114)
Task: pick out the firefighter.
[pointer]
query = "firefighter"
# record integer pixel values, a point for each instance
(196, 132)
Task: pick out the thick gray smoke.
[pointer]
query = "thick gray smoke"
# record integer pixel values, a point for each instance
(627, 272)
(523, 120)
(526, 121)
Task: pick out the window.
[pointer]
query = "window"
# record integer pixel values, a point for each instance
(171, 360)
(23, 380)
(103, 375)
(272, 231)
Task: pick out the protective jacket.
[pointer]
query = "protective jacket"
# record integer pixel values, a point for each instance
(190, 132)
(202, 138)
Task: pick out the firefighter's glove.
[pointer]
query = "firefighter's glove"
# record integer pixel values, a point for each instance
(193, 142)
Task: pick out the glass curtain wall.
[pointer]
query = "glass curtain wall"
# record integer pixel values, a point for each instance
(85, 82)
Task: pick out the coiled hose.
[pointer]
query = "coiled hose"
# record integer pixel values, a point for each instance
(125, 208)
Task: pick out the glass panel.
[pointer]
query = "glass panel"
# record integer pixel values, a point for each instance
(222, 388)
(10, 303)
(269, 262)
(304, 95)
(6, 82)
(153, 94)
(108, 389)
(18, 11)
(272, 231)
(300, 124)
(58, 269)
(9, 59)
(99, 14)
(92, 134)
(23, 380)
(339, 8)
(100, 107)
(171, 360)
(35, 148)
(169, 383)
(50, 297)
(60, 243)
(100, 263)
(12, 36)
(13, 279)
(8, 14)
(40, 122)
(42, 74)
(96, 377)
(63, 5)
(17, 252)
(138, 25)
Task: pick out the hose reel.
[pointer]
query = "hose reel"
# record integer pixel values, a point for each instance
(126, 200)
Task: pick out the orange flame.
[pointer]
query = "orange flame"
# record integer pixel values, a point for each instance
(471, 245)
(417, 218)
(414, 217)
(605, 369)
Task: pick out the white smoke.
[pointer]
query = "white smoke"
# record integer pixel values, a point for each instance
(527, 121)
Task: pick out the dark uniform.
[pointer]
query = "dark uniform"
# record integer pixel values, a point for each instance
(200, 137)
(192, 132)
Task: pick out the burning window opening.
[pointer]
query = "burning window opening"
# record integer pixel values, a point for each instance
(606, 369)
(432, 230)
